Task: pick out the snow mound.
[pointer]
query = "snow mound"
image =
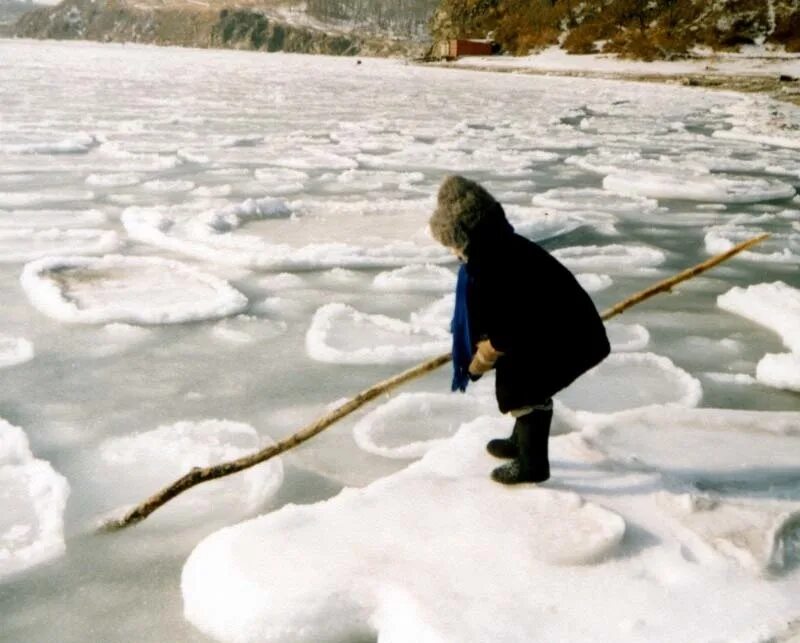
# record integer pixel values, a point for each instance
(21, 245)
(14, 350)
(341, 334)
(143, 463)
(437, 314)
(424, 278)
(777, 307)
(627, 337)
(411, 424)
(313, 573)
(32, 501)
(632, 380)
(694, 187)
(612, 258)
(139, 290)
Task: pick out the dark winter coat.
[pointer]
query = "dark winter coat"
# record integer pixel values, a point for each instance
(532, 309)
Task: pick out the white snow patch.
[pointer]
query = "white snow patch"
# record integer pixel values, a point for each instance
(143, 290)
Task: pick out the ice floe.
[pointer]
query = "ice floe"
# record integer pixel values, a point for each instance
(631, 380)
(614, 258)
(627, 337)
(341, 334)
(32, 502)
(275, 578)
(594, 199)
(424, 278)
(20, 244)
(78, 144)
(411, 424)
(139, 290)
(693, 187)
(113, 179)
(593, 282)
(14, 350)
(42, 198)
(142, 463)
(777, 307)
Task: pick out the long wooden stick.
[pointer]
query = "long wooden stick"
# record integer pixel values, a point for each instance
(204, 474)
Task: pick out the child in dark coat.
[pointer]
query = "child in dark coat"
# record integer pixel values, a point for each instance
(522, 313)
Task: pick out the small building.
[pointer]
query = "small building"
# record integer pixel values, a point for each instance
(456, 48)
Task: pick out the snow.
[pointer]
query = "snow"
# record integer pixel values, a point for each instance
(610, 258)
(144, 462)
(144, 290)
(776, 306)
(32, 501)
(21, 244)
(419, 278)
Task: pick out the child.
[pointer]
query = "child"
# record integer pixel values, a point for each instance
(519, 311)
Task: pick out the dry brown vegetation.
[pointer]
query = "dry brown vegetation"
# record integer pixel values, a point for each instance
(644, 29)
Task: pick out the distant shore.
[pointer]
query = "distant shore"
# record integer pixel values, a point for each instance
(757, 70)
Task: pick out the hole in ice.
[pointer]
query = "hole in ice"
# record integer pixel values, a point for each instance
(18, 245)
(142, 463)
(14, 350)
(411, 424)
(631, 380)
(32, 501)
(145, 290)
(341, 334)
(425, 278)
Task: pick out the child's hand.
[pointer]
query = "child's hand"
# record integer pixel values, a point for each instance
(484, 358)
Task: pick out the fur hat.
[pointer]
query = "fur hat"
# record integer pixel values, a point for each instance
(462, 206)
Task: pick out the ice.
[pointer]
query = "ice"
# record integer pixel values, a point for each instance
(14, 350)
(143, 290)
(751, 122)
(411, 424)
(30, 219)
(32, 501)
(113, 179)
(424, 278)
(42, 197)
(20, 245)
(158, 185)
(282, 281)
(631, 380)
(341, 334)
(246, 329)
(594, 199)
(612, 258)
(437, 314)
(275, 578)
(693, 187)
(592, 282)
(142, 463)
(777, 248)
(75, 145)
(776, 306)
(627, 337)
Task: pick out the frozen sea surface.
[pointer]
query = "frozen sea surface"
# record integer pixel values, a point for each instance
(202, 251)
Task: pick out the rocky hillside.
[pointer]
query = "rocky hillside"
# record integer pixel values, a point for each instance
(10, 12)
(343, 27)
(645, 29)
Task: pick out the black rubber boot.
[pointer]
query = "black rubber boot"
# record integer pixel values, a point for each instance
(504, 447)
(532, 463)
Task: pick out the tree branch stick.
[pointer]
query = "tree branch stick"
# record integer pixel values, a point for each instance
(204, 474)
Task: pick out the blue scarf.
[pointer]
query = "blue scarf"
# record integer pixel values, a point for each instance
(459, 327)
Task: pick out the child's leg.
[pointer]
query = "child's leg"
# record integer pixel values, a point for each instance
(532, 463)
(508, 447)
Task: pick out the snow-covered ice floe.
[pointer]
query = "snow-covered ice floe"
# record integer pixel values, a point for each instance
(694, 187)
(142, 463)
(14, 350)
(389, 559)
(777, 307)
(778, 248)
(341, 334)
(34, 219)
(426, 278)
(139, 290)
(612, 258)
(32, 501)
(411, 424)
(627, 337)
(19, 245)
